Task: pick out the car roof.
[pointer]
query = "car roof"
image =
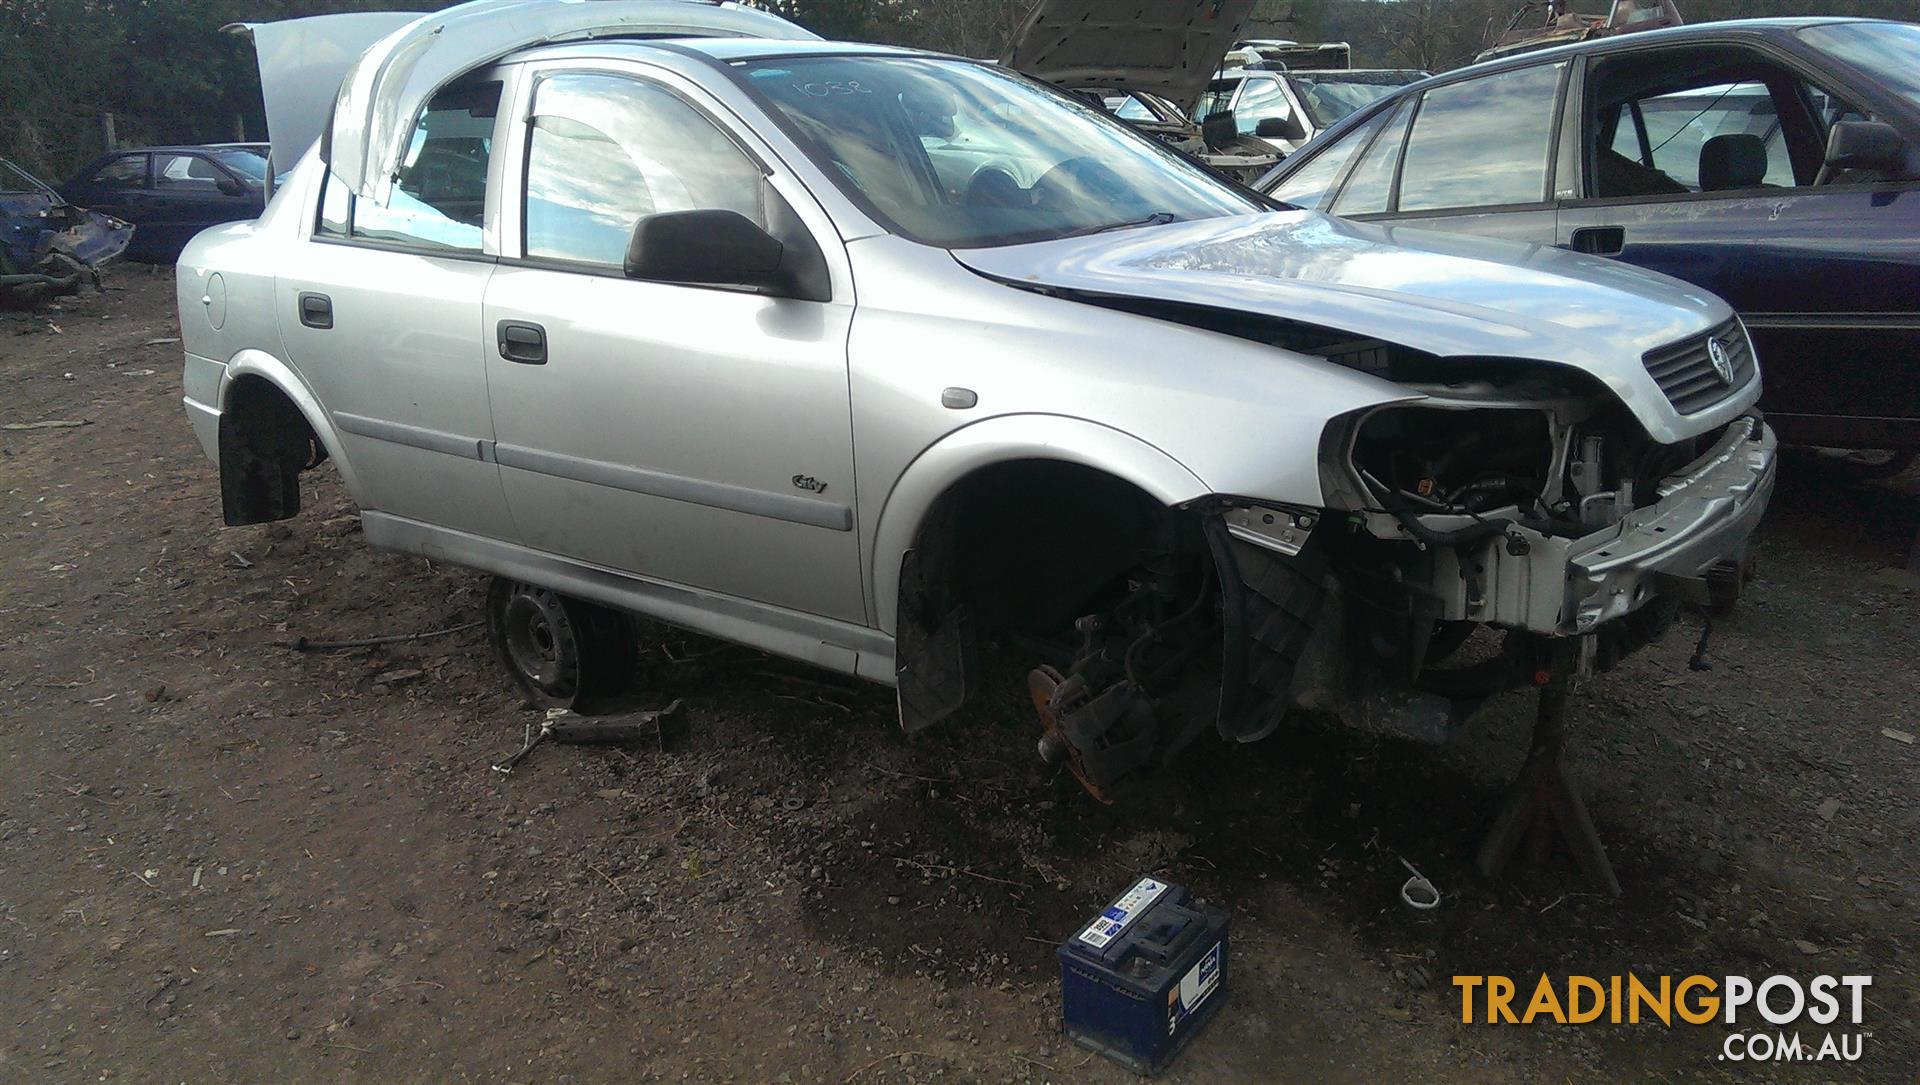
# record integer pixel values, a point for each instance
(723, 50)
(1757, 28)
(177, 148)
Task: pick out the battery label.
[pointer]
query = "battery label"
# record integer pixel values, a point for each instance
(1122, 912)
(1199, 982)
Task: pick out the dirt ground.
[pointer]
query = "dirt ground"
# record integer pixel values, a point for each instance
(222, 860)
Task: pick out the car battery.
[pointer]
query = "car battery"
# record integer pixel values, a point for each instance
(1144, 976)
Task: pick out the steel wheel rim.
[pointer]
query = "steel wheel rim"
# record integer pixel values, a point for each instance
(541, 643)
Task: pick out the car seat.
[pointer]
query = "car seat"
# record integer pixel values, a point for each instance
(1733, 161)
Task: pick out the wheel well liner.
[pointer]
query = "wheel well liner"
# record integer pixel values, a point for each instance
(1015, 547)
(265, 442)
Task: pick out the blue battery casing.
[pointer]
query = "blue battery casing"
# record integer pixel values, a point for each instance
(1140, 979)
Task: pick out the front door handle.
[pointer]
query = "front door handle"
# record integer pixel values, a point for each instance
(316, 311)
(1599, 240)
(523, 343)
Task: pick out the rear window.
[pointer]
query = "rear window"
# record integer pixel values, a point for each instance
(439, 199)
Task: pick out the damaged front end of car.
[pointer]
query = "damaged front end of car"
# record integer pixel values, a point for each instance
(1519, 498)
(48, 247)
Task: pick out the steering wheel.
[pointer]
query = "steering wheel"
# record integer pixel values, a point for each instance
(1076, 181)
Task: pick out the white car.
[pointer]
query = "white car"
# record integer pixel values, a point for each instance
(669, 308)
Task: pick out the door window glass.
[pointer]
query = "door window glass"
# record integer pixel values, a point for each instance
(1308, 186)
(1716, 136)
(1217, 98)
(1128, 108)
(127, 171)
(1370, 190)
(1264, 98)
(1684, 138)
(186, 173)
(336, 209)
(439, 200)
(1482, 143)
(607, 151)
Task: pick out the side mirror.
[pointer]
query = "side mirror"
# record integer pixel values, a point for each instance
(1287, 128)
(1865, 145)
(712, 248)
(228, 186)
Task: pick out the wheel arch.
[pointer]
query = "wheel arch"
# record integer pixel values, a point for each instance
(944, 467)
(251, 368)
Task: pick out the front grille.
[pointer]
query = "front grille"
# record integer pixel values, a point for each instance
(1686, 373)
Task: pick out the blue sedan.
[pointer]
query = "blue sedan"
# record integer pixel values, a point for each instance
(171, 193)
(1775, 163)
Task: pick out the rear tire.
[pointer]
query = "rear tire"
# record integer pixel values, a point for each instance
(559, 651)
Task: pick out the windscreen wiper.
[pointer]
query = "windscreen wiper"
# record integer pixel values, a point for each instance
(1158, 218)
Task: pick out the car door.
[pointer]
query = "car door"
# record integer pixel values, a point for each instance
(1702, 162)
(381, 315)
(191, 192)
(116, 186)
(691, 435)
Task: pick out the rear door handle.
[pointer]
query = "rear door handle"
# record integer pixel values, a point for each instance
(523, 343)
(1599, 240)
(316, 311)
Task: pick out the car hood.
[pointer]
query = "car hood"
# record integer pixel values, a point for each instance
(1449, 295)
(1169, 47)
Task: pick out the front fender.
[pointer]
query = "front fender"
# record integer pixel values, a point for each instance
(1005, 439)
(258, 363)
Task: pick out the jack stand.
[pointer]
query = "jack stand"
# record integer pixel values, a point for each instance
(1545, 798)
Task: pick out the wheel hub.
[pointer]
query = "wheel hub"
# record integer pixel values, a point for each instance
(541, 642)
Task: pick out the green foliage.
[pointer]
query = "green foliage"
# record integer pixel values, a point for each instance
(161, 67)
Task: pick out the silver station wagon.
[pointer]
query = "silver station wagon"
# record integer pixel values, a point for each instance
(901, 364)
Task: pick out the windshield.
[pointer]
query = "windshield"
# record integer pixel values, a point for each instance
(15, 179)
(1889, 52)
(245, 163)
(1334, 96)
(963, 155)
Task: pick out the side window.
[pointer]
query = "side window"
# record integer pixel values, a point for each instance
(1681, 138)
(1717, 137)
(185, 173)
(1217, 98)
(1370, 190)
(1309, 186)
(439, 200)
(127, 171)
(1262, 99)
(1482, 143)
(336, 209)
(608, 150)
(1128, 108)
